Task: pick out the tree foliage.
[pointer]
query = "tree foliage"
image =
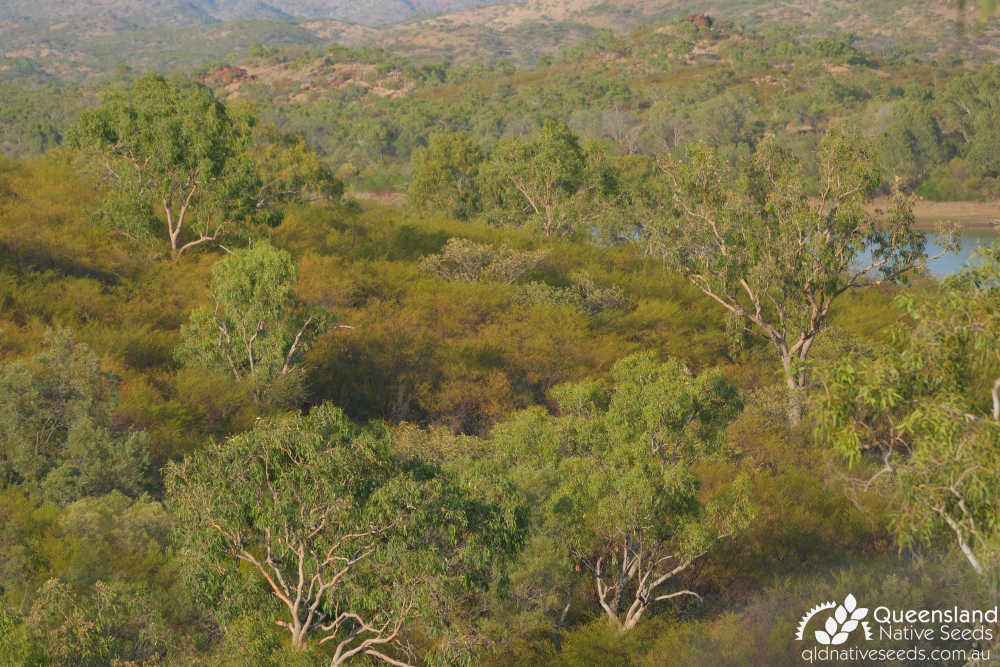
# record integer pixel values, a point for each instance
(174, 151)
(352, 542)
(775, 255)
(540, 180)
(257, 330)
(445, 175)
(614, 481)
(290, 172)
(465, 260)
(928, 413)
(912, 144)
(113, 625)
(56, 424)
(582, 529)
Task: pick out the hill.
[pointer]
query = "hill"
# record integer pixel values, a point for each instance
(55, 41)
(174, 13)
(656, 88)
(923, 27)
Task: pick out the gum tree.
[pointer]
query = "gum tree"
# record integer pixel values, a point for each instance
(57, 426)
(446, 175)
(774, 254)
(925, 415)
(539, 179)
(352, 542)
(613, 481)
(171, 151)
(257, 330)
(290, 172)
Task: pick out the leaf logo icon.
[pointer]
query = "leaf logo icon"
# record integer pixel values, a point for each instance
(837, 630)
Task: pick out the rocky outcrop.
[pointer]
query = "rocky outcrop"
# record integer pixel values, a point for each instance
(701, 20)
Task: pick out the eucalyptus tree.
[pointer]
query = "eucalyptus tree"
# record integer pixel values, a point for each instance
(970, 108)
(257, 330)
(775, 255)
(172, 151)
(926, 413)
(57, 429)
(290, 172)
(966, 98)
(351, 542)
(446, 175)
(546, 180)
(111, 623)
(612, 479)
(912, 144)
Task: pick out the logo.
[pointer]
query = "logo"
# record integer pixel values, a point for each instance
(845, 619)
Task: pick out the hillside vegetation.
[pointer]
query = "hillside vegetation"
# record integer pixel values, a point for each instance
(657, 89)
(326, 355)
(88, 39)
(172, 13)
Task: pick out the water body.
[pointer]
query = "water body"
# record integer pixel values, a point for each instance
(969, 239)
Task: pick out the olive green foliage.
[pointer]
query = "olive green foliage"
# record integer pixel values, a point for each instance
(56, 425)
(257, 329)
(500, 444)
(546, 181)
(466, 354)
(445, 175)
(290, 172)
(757, 243)
(614, 484)
(171, 151)
(114, 624)
(757, 632)
(583, 293)
(461, 259)
(458, 355)
(86, 584)
(912, 145)
(455, 356)
(34, 118)
(923, 412)
(970, 109)
(352, 542)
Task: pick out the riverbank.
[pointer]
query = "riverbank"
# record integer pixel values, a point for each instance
(970, 215)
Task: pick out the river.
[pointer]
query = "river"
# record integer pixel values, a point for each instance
(969, 239)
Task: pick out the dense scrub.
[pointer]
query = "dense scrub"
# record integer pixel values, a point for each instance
(508, 422)
(422, 352)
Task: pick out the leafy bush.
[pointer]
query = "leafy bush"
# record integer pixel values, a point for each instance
(56, 425)
(465, 260)
(584, 294)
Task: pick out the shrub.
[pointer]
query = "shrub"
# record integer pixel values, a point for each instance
(468, 261)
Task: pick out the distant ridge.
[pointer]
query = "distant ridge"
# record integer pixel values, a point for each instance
(180, 13)
(46, 40)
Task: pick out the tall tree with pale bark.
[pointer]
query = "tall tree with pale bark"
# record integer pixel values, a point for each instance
(175, 159)
(352, 542)
(922, 418)
(614, 485)
(257, 330)
(548, 181)
(777, 256)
